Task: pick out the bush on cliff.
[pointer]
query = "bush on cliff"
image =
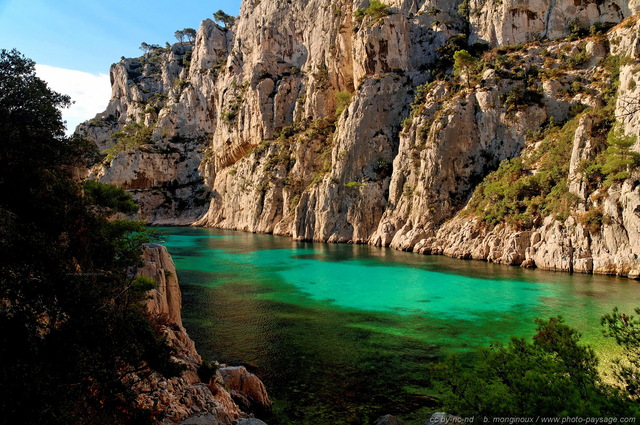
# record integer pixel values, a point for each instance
(73, 331)
(376, 11)
(525, 189)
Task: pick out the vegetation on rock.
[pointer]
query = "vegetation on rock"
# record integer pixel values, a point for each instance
(525, 189)
(463, 63)
(225, 18)
(132, 135)
(188, 33)
(376, 11)
(343, 99)
(618, 158)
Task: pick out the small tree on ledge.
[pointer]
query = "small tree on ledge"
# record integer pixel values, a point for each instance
(463, 64)
(179, 35)
(190, 34)
(226, 19)
(145, 47)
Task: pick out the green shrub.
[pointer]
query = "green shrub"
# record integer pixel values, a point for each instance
(600, 28)
(109, 196)
(519, 98)
(592, 220)
(407, 190)
(131, 136)
(343, 99)
(576, 109)
(230, 114)
(579, 59)
(612, 64)
(180, 85)
(382, 167)
(322, 77)
(143, 284)
(625, 330)
(186, 60)
(576, 87)
(516, 195)
(619, 159)
(576, 30)
(464, 9)
(551, 375)
(417, 106)
(376, 11)
(444, 61)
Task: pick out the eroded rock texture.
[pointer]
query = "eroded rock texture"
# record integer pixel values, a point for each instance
(294, 122)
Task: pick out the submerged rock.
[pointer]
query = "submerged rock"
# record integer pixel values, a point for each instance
(388, 420)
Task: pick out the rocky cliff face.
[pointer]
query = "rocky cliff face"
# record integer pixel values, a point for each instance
(599, 233)
(516, 22)
(186, 399)
(312, 120)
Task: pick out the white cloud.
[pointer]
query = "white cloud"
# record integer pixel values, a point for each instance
(91, 93)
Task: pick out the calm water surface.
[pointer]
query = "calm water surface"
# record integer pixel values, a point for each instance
(344, 333)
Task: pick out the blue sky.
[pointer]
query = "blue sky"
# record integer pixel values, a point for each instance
(88, 36)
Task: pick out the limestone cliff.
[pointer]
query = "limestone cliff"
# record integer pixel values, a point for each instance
(313, 120)
(599, 232)
(186, 399)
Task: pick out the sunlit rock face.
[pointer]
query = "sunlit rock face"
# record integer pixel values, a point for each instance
(299, 121)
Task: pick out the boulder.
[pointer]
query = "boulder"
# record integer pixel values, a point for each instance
(245, 388)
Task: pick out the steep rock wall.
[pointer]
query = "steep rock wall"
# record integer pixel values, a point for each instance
(186, 399)
(376, 63)
(296, 121)
(159, 120)
(611, 247)
(522, 21)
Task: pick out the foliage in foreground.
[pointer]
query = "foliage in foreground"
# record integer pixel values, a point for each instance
(626, 332)
(73, 329)
(551, 376)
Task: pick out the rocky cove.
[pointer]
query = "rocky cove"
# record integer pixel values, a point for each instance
(355, 348)
(307, 153)
(353, 122)
(314, 121)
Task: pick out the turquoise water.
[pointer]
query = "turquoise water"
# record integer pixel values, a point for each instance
(346, 333)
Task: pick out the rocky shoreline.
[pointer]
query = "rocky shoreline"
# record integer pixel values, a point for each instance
(228, 397)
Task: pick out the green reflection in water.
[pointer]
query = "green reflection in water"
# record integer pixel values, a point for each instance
(345, 333)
